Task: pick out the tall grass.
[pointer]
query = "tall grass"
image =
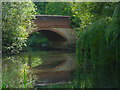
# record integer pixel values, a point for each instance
(19, 78)
(18, 82)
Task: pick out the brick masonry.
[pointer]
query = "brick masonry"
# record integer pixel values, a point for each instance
(59, 25)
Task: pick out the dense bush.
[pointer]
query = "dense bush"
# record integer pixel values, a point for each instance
(16, 24)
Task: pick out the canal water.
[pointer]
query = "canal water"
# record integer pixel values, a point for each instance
(46, 67)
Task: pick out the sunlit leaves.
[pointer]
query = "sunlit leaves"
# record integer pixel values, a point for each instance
(58, 8)
(36, 61)
(83, 12)
(16, 20)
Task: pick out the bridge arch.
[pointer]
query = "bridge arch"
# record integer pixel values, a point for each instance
(56, 38)
(53, 34)
(57, 29)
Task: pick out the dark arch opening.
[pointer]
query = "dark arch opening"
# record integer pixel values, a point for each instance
(37, 39)
(46, 40)
(52, 36)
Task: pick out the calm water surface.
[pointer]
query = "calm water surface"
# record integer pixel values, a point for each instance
(47, 66)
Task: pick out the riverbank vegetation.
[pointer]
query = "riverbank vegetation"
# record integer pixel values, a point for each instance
(16, 74)
(98, 37)
(16, 25)
(98, 50)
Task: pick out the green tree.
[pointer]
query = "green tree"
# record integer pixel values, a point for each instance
(16, 24)
(53, 8)
(58, 8)
(41, 6)
(86, 13)
(98, 49)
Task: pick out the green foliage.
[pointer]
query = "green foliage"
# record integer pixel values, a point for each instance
(87, 12)
(98, 49)
(41, 6)
(53, 8)
(81, 13)
(98, 45)
(36, 40)
(16, 73)
(16, 24)
(58, 8)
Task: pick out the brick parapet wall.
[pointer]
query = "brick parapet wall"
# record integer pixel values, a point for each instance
(52, 22)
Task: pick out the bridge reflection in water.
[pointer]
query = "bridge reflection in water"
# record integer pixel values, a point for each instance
(57, 67)
(47, 66)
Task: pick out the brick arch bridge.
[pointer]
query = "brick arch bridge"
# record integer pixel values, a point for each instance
(57, 29)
